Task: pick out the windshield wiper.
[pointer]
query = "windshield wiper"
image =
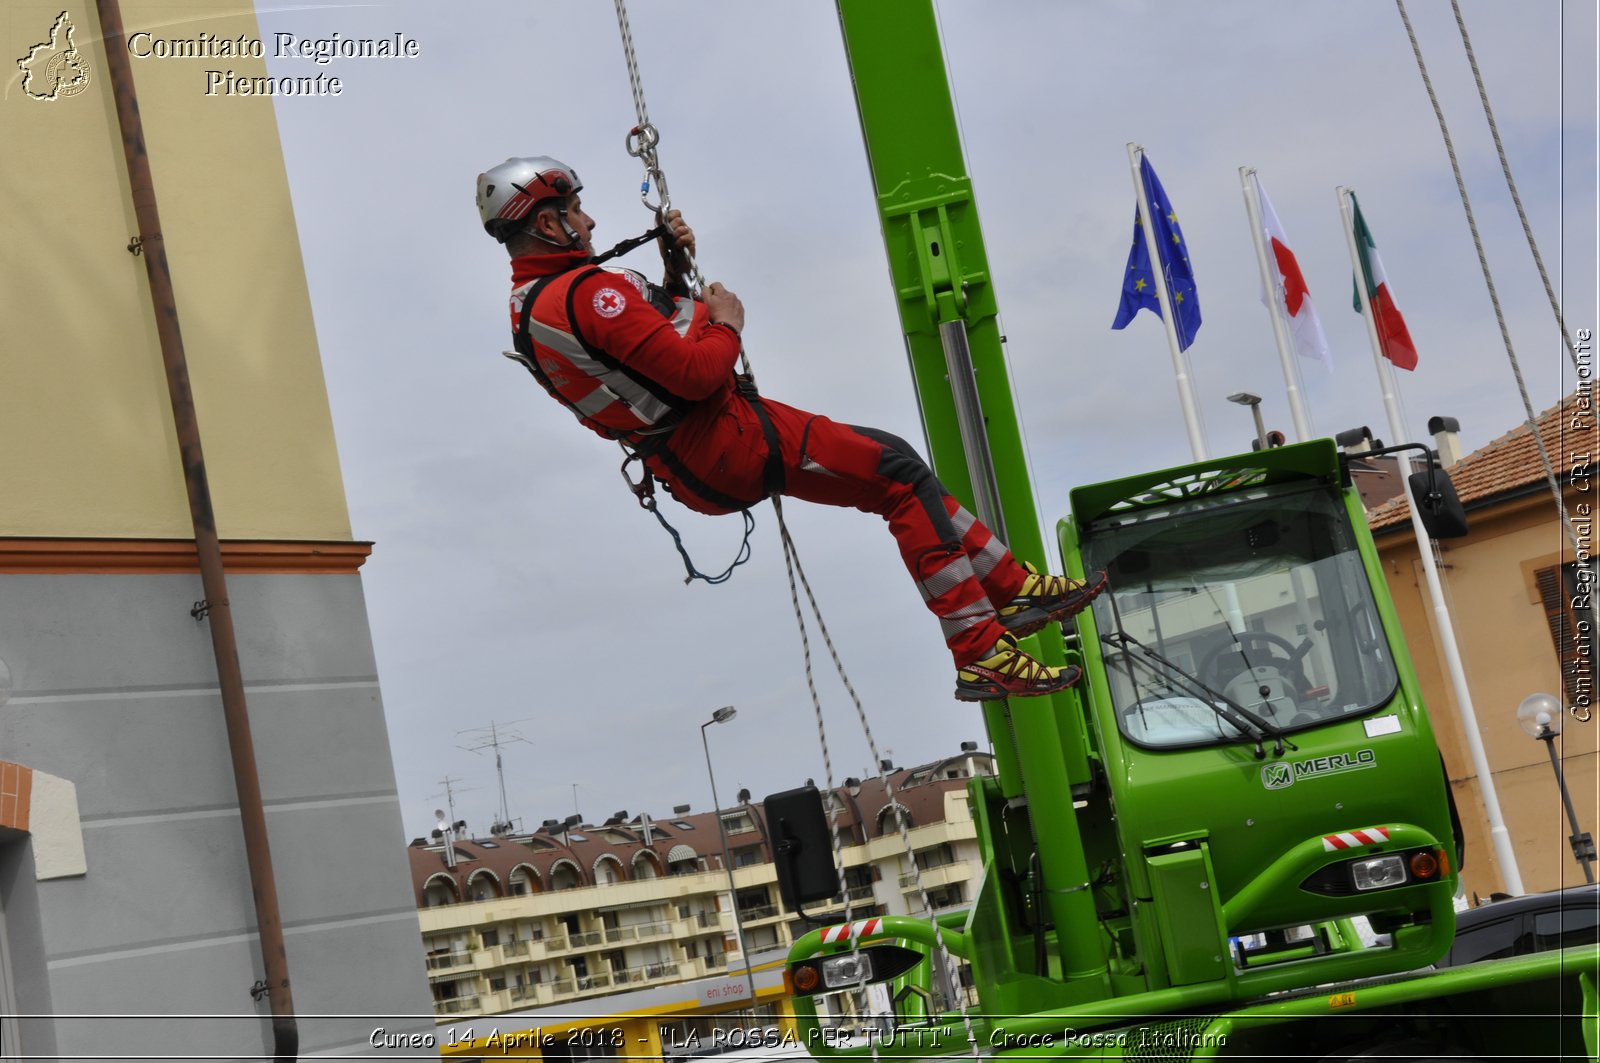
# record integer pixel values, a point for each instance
(1243, 720)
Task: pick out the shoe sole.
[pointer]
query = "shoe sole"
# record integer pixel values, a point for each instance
(996, 692)
(1034, 619)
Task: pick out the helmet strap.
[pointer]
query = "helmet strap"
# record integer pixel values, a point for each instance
(573, 240)
(572, 235)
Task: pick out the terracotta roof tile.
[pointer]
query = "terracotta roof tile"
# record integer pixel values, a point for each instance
(1510, 462)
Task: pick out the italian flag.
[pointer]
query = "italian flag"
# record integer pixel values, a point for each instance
(1393, 338)
(1305, 328)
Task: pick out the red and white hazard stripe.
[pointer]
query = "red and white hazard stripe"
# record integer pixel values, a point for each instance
(1354, 839)
(845, 931)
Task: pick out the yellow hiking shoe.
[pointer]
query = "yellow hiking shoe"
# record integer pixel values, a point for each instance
(1009, 673)
(1046, 599)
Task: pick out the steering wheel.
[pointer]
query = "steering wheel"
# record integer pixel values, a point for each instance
(1284, 656)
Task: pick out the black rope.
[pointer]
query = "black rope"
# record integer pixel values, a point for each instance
(688, 565)
(644, 490)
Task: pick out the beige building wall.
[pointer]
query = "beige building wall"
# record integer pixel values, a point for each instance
(84, 395)
(1508, 654)
(112, 714)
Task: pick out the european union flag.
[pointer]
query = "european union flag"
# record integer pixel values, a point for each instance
(1138, 284)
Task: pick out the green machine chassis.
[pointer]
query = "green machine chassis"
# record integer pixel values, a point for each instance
(1235, 836)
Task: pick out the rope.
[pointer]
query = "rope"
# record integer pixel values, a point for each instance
(1505, 168)
(740, 557)
(633, 66)
(1488, 280)
(792, 565)
(641, 143)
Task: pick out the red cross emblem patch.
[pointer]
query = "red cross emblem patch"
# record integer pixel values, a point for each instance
(608, 302)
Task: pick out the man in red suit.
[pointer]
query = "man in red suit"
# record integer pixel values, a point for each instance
(653, 367)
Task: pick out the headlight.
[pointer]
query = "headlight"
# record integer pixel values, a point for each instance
(848, 969)
(1379, 873)
(825, 974)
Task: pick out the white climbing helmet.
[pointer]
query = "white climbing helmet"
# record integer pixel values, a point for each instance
(510, 191)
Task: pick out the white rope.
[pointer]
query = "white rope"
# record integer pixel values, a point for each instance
(1488, 280)
(1505, 168)
(634, 83)
(791, 560)
(641, 143)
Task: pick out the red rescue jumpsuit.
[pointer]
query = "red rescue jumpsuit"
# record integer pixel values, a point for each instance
(660, 376)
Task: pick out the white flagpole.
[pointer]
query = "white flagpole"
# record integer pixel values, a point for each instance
(1180, 370)
(1504, 853)
(1275, 308)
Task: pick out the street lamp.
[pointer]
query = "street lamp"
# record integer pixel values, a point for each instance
(1244, 398)
(1540, 716)
(723, 715)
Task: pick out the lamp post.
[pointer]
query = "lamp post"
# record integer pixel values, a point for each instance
(1540, 716)
(723, 715)
(1244, 398)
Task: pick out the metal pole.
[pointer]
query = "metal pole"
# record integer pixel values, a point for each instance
(1580, 851)
(970, 421)
(1275, 309)
(1191, 417)
(230, 680)
(1504, 853)
(1261, 426)
(727, 865)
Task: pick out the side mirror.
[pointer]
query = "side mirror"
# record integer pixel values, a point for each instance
(1438, 504)
(802, 848)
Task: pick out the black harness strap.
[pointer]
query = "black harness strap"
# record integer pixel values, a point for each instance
(654, 445)
(524, 345)
(772, 476)
(680, 405)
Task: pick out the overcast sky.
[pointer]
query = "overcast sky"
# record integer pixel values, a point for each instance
(513, 578)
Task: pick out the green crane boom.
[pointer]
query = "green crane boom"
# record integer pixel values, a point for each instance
(1179, 853)
(948, 313)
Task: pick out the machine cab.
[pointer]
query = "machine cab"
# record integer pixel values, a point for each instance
(1257, 718)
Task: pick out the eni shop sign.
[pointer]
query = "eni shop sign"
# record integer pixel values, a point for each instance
(724, 991)
(1285, 773)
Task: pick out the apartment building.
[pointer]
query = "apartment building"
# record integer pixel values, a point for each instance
(609, 914)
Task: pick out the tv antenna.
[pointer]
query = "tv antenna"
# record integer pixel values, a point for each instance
(449, 796)
(447, 828)
(492, 737)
